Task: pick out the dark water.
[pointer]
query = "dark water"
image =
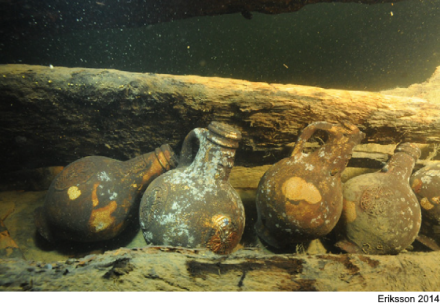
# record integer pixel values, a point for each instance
(351, 46)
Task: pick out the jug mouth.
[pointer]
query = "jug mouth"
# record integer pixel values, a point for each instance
(168, 159)
(410, 149)
(224, 134)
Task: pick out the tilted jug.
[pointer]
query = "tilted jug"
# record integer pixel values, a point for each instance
(93, 198)
(381, 214)
(195, 205)
(300, 197)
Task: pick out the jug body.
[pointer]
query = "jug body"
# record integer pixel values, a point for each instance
(300, 197)
(426, 185)
(195, 205)
(381, 214)
(93, 198)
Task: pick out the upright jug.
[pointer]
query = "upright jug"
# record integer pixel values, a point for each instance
(93, 198)
(381, 214)
(195, 205)
(426, 185)
(300, 197)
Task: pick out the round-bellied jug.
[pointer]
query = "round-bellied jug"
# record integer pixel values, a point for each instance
(300, 197)
(426, 185)
(93, 198)
(194, 205)
(381, 214)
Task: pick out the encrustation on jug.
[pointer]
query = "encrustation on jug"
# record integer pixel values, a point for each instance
(93, 198)
(195, 205)
(381, 214)
(426, 185)
(300, 197)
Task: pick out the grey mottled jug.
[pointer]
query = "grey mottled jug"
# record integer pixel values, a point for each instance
(195, 205)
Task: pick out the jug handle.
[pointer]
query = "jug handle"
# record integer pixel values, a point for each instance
(191, 141)
(307, 133)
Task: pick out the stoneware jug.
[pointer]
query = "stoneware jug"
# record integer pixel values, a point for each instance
(93, 198)
(426, 185)
(195, 205)
(300, 197)
(381, 214)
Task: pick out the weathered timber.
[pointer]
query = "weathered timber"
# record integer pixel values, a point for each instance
(55, 116)
(177, 269)
(35, 17)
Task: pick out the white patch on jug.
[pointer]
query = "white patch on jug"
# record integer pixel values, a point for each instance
(310, 167)
(103, 176)
(426, 179)
(166, 219)
(113, 195)
(175, 206)
(181, 230)
(99, 226)
(433, 172)
(148, 235)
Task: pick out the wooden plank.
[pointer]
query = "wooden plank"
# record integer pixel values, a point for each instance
(178, 269)
(53, 116)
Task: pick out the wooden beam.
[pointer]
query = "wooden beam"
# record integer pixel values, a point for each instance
(53, 116)
(178, 269)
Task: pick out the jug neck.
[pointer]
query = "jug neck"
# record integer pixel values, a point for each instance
(401, 165)
(213, 161)
(403, 161)
(337, 152)
(150, 164)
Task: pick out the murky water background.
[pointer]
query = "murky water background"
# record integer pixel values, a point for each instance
(349, 46)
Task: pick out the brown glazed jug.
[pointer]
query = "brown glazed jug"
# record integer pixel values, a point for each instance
(195, 205)
(426, 185)
(381, 214)
(93, 198)
(300, 197)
